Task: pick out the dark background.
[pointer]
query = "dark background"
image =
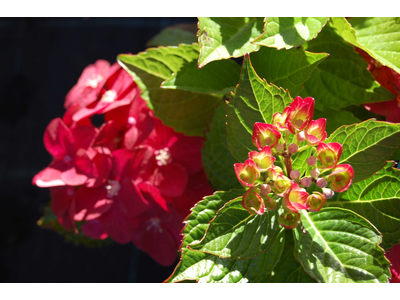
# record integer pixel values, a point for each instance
(41, 60)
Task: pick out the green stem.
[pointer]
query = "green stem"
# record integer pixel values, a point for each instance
(303, 148)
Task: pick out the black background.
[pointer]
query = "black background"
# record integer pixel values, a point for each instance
(41, 60)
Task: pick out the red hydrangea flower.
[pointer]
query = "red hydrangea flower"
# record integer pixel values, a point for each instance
(265, 135)
(247, 173)
(71, 165)
(300, 114)
(393, 255)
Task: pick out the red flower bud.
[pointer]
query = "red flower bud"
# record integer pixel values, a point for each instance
(273, 172)
(321, 183)
(247, 173)
(265, 135)
(300, 115)
(311, 161)
(341, 178)
(253, 202)
(328, 193)
(316, 201)
(329, 154)
(262, 159)
(315, 132)
(289, 219)
(281, 185)
(295, 198)
(293, 148)
(305, 181)
(294, 174)
(279, 120)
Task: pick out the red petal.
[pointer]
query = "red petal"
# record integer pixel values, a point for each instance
(130, 138)
(90, 203)
(57, 139)
(94, 230)
(51, 176)
(171, 179)
(61, 198)
(154, 194)
(131, 200)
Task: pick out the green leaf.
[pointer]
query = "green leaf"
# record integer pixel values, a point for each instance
(219, 77)
(335, 119)
(221, 38)
(366, 146)
(175, 35)
(378, 200)
(340, 246)
(205, 267)
(288, 269)
(286, 68)
(289, 32)
(342, 79)
(380, 37)
(234, 233)
(186, 112)
(300, 161)
(254, 100)
(217, 160)
(209, 268)
(50, 221)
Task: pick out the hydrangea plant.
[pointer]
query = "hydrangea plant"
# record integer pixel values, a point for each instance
(300, 144)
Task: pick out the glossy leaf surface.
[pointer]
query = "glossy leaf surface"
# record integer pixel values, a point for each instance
(340, 246)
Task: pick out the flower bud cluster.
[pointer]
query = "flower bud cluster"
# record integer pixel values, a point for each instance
(268, 172)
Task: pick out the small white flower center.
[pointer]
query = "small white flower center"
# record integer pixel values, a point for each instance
(131, 121)
(109, 96)
(113, 188)
(154, 223)
(163, 157)
(93, 82)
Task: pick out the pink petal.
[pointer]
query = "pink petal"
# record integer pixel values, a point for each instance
(51, 176)
(57, 139)
(131, 137)
(153, 194)
(61, 198)
(90, 203)
(187, 151)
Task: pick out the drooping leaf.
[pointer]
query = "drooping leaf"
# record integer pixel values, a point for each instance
(217, 160)
(288, 69)
(289, 32)
(220, 77)
(288, 269)
(186, 112)
(234, 233)
(340, 246)
(254, 100)
(378, 200)
(221, 38)
(366, 146)
(380, 37)
(342, 79)
(204, 267)
(175, 35)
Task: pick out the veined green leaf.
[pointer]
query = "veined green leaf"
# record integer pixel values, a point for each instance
(254, 100)
(175, 35)
(340, 246)
(221, 38)
(234, 233)
(288, 69)
(186, 112)
(335, 119)
(220, 77)
(288, 32)
(378, 200)
(204, 267)
(217, 160)
(366, 146)
(342, 79)
(288, 269)
(380, 37)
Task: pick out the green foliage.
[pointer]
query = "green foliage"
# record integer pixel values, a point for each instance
(221, 38)
(234, 233)
(366, 146)
(186, 112)
(289, 32)
(378, 200)
(254, 100)
(217, 160)
(286, 68)
(342, 79)
(340, 246)
(175, 35)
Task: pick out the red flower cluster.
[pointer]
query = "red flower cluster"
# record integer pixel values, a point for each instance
(133, 179)
(290, 130)
(390, 80)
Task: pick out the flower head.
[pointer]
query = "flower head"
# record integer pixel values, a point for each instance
(315, 132)
(289, 219)
(316, 201)
(329, 154)
(247, 172)
(295, 198)
(300, 115)
(253, 202)
(262, 159)
(265, 135)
